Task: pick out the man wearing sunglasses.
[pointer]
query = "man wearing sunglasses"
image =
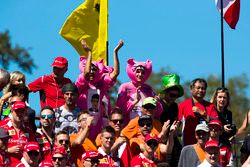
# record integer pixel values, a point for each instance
(45, 134)
(31, 155)
(66, 115)
(147, 156)
(59, 157)
(91, 159)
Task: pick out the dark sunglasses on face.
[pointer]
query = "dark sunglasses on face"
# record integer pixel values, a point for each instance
(93, 161)
(151, 143)
(35, 153)
(115, 121)
(149, 107)
(57, 158)
(64, 142)
(142, 124)
(49, 116)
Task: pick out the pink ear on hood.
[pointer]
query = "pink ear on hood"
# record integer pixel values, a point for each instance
(99, 64)
(131, 69)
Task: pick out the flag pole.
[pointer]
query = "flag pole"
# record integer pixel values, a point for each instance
(107, 42)
(222, 46)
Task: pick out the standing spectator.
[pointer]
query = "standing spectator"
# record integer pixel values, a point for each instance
(95, 78)
(4, 78)
(50, 86)
(80, 141)
(4, 158)
(195, 110)
(221, 101)
(107, 141)
(31, 156)
(59, 157)
(147, 157)
(91, 159)
(66, 115)
(212, 154)
(131, 94)
(171, 91)
(45, 134)
(193, 155)
(18, 132)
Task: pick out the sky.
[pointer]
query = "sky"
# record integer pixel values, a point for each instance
(182, 35)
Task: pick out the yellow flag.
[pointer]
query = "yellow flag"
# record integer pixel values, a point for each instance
(89, 22)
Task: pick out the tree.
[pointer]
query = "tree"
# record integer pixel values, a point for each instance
(16, 54)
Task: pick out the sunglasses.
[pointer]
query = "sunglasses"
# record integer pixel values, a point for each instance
(215, 128)
(57, 158)
(142, 124)
(35, 153)
(49, 116)
(64, 142)
(151, 143)
(173, 95)
(149, 107)
(93, 161)
(115, 121)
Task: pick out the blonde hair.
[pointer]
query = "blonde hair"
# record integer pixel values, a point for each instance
(13, 76)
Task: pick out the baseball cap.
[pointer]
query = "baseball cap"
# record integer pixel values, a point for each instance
(145, 118)
(32, 146)
(59, 150)
(18, 105)
(3, 133)
(149, 100)
(212, 143)
(91, 155)
(202, 127)
(151, 136)
(60, 62)
(70, 87)
(215, 122)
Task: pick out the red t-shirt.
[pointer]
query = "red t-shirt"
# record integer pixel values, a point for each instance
(51, 89)
(4, 159)
(141, 161)
(190, 119)
(18, 138)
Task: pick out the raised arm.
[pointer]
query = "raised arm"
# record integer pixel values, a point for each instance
(116, 71)
(87, 67)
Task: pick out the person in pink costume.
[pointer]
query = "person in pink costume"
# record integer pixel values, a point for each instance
(96, 79)
(131, 94)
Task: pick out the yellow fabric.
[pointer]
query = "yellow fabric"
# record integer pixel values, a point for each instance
(89, 22)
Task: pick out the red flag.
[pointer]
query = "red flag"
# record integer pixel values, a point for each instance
(125, 155)
(231, 11)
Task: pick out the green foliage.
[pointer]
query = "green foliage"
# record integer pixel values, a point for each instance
(16, 54)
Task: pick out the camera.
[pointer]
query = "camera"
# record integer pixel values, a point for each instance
(234, 129)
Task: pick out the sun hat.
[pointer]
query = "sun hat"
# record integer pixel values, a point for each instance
(172, 80)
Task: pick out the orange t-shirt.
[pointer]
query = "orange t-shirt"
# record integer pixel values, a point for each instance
(76, 152)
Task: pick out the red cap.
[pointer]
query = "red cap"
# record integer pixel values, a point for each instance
(91, 154)
(18, 105)
(32, 146)
(212, 143)
(59, 150)
(151, 136)
(60, 62)
(215, 122)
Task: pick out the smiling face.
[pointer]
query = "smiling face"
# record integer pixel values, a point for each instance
(222, 100)
(116, 122)
(140, 72)
(201, 137)
(212, 155)
(107, 140)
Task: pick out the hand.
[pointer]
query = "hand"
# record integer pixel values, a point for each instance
(138, 95)
(166, 126)
(15, 149)
(120, 140)
(195, 109)
(118, 47)
(89, 120)
(174, 126)
(227, 128)
(85, 46)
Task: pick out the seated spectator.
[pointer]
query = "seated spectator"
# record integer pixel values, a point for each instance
(212, 154)
(45, 134)
(131, 94)
(66, 115)
(31, 155)
(226, 155)
(195, 110)
(107, 141)
(80, 141)
(95, 78)
(193, 155)
(91, 159)
(18, 132)
(4, 158)
(49, 86)
(147, 157)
